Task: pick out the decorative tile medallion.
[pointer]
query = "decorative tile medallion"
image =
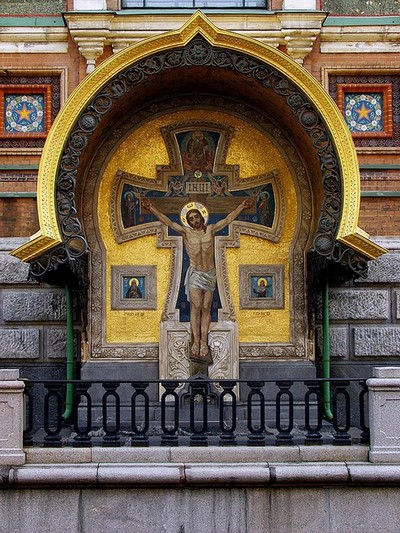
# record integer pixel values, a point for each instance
(363, 112)
(26, 111)
(367, 109)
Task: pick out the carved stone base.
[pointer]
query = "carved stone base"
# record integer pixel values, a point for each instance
(174, 350)
(223, 340)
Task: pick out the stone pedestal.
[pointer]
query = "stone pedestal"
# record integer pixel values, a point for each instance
(11, 417)
(384, 415)
(174, 351)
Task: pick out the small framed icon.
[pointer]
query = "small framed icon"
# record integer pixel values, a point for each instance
(261, 286)
(134, 287)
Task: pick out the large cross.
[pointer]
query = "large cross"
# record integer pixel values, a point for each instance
(197, 173)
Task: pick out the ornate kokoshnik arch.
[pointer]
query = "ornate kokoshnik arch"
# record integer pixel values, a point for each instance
(198, 43)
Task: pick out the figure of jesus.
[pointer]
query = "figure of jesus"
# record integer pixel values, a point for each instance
(201, 277)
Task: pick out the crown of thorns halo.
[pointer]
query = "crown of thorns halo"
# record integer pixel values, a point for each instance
(193, 205)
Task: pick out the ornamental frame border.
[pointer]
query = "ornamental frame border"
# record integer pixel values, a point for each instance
(149, 272)
(46, 90)
(276, 272)
(387, 90)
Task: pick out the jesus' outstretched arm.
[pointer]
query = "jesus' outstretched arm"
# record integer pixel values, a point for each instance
(161, 217)
(246, 204)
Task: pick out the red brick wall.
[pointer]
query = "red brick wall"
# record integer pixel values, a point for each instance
(18, 217)
(380, 216)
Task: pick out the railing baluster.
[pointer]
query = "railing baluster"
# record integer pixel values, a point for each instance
(111, 437)
(256, 436)
(198, 393)
(341, 437)
(195, 405)
(365, 433)
(53, 437)
(28, 411)
(169, 401)
(284, 437)
(313, 435)
(228, 437)
(82, 438)
(140, 437)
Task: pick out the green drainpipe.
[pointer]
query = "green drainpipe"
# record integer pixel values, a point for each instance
(70, 355)
(326, 355)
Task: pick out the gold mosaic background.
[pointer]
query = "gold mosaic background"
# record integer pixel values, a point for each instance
(139, 154)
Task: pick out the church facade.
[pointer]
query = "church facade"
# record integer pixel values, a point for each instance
(203, 189)
(291, 108)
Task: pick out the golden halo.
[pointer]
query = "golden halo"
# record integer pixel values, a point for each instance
(264, 280)
(193, 205)
(134, 280)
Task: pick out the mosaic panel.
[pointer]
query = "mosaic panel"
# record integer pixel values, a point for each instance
(134, 287)
(367, 109)
(23, 114)
(29, 105)
(262, 286)
(29, 7)
(375, 119)
(361, 7)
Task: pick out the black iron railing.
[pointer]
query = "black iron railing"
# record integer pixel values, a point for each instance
(198, 412)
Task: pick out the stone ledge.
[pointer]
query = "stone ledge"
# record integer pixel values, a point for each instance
(200, 475)
(310, 474)
(375, 474)
(209, 455)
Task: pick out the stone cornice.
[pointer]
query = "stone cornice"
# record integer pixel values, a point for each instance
(296, 31)
(360, 39)
(33, 39)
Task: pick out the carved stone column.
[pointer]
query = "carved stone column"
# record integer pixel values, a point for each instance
(91, 49)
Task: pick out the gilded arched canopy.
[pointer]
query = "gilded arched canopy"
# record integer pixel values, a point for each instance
(195, 60)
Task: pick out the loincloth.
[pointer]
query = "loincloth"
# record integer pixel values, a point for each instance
(196, 279)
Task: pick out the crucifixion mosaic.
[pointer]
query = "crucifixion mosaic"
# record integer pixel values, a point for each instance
(197, 196)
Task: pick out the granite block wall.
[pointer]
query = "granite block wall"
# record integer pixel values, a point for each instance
(234, 510)
(365, 317)
(32, 320)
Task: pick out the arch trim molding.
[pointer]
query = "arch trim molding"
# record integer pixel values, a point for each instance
(49, 235)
